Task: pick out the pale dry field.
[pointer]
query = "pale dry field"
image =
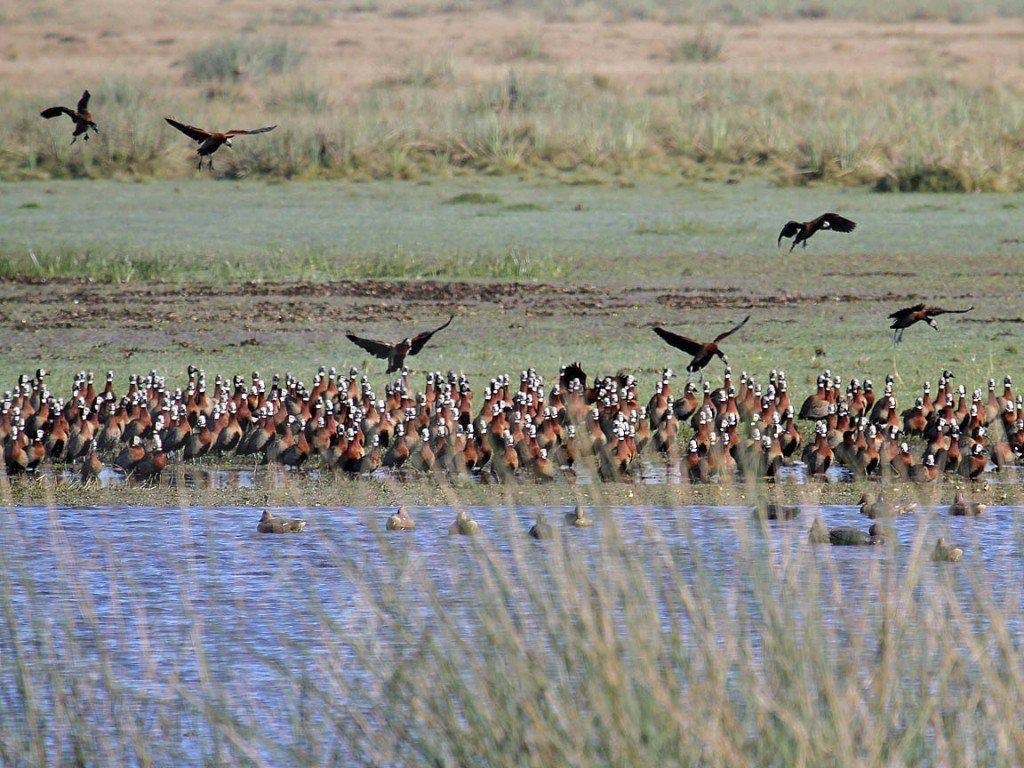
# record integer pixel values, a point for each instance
(61, 46)
(929, 102)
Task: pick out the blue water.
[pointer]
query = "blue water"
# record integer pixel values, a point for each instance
(146, 587)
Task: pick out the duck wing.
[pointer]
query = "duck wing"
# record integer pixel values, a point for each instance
(376, 348)
(196, 134)
(685, 343)
(420, 340)
(731, 331)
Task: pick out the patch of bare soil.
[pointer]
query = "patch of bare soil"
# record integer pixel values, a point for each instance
(251, 308)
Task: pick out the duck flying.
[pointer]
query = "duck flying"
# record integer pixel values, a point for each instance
(906, 317)
(703, 352)
(79, 116)
(395, 353)
(210, 141)
(803, 230)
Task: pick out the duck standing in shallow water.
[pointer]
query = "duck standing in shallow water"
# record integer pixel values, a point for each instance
(91, 465)
(400, 520)
(270, 524)
(464, 525)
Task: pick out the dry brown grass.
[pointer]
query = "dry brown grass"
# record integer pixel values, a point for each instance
(403, 91)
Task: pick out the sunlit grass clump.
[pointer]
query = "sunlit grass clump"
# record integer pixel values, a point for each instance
(922, 132)
(237, 58)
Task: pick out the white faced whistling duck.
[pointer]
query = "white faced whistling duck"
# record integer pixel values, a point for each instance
(152, 464)
(79, 116)
(925, 472)
(131, 455)
(210, 141)
(697, 467)
(703, 352)
(973, 465)
(91, 465)
(15, 455)
(543, 467)
(805, 229)
(36, 451)
(906, 317)
(570, 373)
(395, 353)
(817, 456)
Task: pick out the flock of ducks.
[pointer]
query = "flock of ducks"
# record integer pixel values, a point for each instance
(515, 430)
(521, 432)
(401, 520)
(464, 525)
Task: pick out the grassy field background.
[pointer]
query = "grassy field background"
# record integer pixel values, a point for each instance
(231, 276)
(921, 95)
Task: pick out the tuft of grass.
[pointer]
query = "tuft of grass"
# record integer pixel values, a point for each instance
(525, 207)
(243, 58)
(473, 198)
(423, 72)
(303, 15)
(930, 179)
(525, 45)
(700, 47)
(514, 263)
(80, 263)
(679, 227)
